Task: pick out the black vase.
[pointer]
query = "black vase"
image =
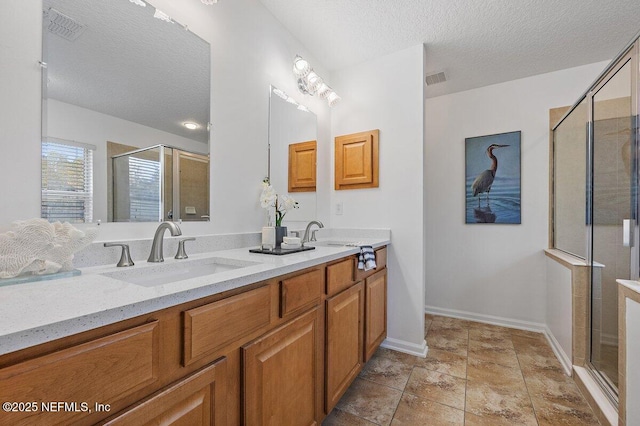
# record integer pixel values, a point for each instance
(281, 232)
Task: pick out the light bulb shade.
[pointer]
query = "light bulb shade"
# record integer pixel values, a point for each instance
(333, 99)
(313, 82)
(300, 67)
(323, 91)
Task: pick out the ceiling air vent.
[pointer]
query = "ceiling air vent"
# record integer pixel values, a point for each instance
(63, 26)
(435, 78)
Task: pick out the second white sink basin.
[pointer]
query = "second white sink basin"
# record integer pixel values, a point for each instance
(165, 273)
(336, 243)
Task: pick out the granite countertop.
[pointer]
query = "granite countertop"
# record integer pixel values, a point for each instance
(38, 312)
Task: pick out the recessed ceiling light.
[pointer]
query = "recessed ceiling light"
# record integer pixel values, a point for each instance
(190, 126)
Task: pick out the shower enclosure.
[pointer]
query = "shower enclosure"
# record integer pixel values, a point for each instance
(160, 183)
(595, 200)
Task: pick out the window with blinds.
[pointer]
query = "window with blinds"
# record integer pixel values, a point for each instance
(144, 190)
(67, 181)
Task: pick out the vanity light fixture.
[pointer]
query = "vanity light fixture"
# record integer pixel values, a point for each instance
(190, 126)
(311, 83)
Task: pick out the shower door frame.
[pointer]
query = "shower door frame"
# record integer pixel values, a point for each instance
(630, 54)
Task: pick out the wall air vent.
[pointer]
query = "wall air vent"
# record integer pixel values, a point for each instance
(436, 78)
(63, 26)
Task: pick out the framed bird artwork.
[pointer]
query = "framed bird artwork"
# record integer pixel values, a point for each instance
(492, 181)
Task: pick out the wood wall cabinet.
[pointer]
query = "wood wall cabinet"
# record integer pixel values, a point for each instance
(282, 372)
(344, 343)
(279, 352)
(302, 166)
(357, 160)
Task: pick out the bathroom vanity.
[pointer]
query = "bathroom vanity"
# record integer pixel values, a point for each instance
(274, 342)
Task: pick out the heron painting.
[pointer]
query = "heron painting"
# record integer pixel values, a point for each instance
(492, 181)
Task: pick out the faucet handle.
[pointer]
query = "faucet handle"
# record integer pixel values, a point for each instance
(313, 235)
(181, 254)
(125, 257)
(296, 233)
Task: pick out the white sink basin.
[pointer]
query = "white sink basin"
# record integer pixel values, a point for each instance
(165, 273)
(337, 243)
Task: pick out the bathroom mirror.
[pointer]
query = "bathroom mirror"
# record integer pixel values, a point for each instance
(292, 159)
(121, 73)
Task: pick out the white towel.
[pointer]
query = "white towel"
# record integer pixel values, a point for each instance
(366, 258)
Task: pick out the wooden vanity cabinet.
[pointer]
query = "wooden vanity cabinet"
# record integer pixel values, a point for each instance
(112, 370)
(282, 374)
(344, 342)
(279, 352)
(375, 324)
(198, 400)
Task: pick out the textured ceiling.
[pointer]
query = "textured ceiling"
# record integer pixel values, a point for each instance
(476, 43)
(130, 65)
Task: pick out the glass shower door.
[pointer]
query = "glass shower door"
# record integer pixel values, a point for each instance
(613, 215)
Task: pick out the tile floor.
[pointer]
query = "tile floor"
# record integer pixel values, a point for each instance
(474, 374)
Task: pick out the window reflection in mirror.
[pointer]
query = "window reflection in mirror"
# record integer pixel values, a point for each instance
(292, 159)
(115, 73)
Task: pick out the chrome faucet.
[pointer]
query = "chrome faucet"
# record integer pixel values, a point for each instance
(305, 239)
(156, 248)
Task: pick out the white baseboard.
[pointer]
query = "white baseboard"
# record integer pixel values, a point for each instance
(487, 319)
(406, 347)
(559, 352)
(511, 323)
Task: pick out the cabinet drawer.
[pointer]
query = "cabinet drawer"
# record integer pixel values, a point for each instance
(105, 370)
(210, 327)
(301, 291)
(381, 263)
(195, 400)
(339, 276)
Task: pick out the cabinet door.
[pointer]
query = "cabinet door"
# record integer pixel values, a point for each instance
(375, 326)
(197, 400)
(282, 375)
(344, 342)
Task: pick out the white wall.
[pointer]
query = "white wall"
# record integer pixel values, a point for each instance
(497, 271)
(559, 310)
(387, 94)
(20, 50)
(250, 50)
